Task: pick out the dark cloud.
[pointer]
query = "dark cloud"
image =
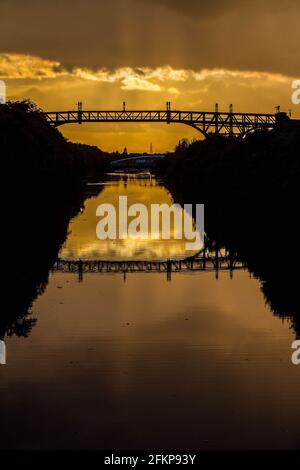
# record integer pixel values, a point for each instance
(215, 8)
(248, 34)
(212, 8)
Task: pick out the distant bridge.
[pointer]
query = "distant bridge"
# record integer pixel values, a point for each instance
(140, 161)
(225, 123)
(214, 261)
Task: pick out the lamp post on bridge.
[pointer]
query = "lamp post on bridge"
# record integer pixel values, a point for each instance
(79, 112)
(216, 118)
(230, 120)
(168, 112)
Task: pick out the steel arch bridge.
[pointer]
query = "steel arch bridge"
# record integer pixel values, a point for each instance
(224, 123)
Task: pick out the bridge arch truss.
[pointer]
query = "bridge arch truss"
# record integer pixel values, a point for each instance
(227, 123)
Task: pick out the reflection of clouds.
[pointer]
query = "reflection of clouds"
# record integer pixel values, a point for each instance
(83, 243)
(127, 249)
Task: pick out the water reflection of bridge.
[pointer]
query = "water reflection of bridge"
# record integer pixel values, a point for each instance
(215, 261)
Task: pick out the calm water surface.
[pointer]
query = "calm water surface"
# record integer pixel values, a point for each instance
(143, 362)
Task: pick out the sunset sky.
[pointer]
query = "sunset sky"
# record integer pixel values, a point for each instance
(145, 52)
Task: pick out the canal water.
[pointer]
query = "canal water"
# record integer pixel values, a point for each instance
(132, 362)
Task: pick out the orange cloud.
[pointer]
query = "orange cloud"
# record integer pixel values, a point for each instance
(53, 87)
(20, 66)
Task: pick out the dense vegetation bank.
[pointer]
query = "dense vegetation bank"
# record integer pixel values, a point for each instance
(251, 190)
(264, 165)
(31, 149)
(44, 177)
